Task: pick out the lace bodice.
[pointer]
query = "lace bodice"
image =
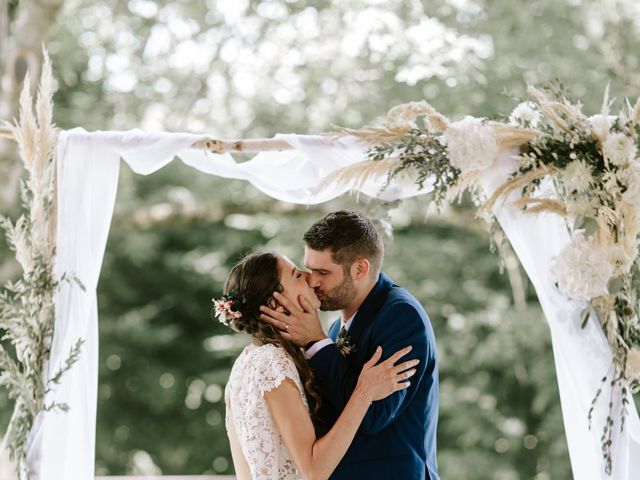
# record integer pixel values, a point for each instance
(257, 370)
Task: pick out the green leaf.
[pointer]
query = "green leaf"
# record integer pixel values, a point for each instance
(590, 226)
(79, 283)
(584, 317)
(615, 285)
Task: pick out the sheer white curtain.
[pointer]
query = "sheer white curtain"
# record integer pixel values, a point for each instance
(63, 444)
(582, 356)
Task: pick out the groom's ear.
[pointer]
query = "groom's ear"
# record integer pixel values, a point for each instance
(360, 269)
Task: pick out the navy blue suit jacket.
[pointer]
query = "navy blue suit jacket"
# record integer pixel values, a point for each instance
(397, 438)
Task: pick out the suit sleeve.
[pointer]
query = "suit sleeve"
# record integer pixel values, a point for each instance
(400, 326)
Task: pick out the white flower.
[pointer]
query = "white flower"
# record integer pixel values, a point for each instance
(620, 260)
(577, 176)
(619, 149)
(583, 269)
(471, 145)
(525, 114)
(224, 311)
(601, 124)
(633, 363)
(630, 178)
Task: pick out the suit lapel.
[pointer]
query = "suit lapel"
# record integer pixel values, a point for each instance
(370, 308)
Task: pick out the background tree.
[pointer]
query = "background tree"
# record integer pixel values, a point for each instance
(24, 27)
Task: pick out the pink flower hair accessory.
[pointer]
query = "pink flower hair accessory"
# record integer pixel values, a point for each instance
(226, 309)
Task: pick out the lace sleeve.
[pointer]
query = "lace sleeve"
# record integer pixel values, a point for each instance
(257, 370)
(272, 366)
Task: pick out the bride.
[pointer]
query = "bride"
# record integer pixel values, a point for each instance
(270, 397)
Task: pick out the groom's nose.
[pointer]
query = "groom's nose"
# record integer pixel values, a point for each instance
(313, 280)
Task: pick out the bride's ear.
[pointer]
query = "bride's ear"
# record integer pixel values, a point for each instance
(273, 304)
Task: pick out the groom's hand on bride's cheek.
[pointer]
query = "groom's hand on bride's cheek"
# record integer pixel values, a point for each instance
(301, 325)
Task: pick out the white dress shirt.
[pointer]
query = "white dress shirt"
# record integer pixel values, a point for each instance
(320, 344)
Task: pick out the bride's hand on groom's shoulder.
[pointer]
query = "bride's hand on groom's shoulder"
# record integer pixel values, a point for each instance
(379, 380)
(298, 322)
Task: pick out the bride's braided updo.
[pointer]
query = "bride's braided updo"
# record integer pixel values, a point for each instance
(251, 283)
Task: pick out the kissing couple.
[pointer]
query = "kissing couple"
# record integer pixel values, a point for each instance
(360, 402)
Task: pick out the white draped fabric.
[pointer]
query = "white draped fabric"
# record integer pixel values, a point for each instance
(582, 356)
(62, 445)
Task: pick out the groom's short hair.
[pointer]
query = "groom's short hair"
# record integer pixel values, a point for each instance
(349, 235)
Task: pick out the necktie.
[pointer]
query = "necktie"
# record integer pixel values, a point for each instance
(342, 334)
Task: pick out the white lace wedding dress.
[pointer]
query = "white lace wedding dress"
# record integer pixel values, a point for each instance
(257, 370)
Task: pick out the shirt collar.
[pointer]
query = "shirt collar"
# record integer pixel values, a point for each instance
(348, 323)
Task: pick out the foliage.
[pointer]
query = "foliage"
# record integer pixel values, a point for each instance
(26, 305)
(410, 154)
(596, 173)
(585, 169)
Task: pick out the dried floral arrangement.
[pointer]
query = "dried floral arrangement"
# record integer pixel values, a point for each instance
(26, 305)
(593, 165)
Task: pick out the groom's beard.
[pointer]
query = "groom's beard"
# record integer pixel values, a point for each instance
(338, 298)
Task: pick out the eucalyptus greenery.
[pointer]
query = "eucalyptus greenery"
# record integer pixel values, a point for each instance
(26, 304)
(425, 156)
(596, 211)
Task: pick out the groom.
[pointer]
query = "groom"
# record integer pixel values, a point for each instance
(397, 438)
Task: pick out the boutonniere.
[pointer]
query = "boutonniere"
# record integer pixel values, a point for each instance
(345, 346)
